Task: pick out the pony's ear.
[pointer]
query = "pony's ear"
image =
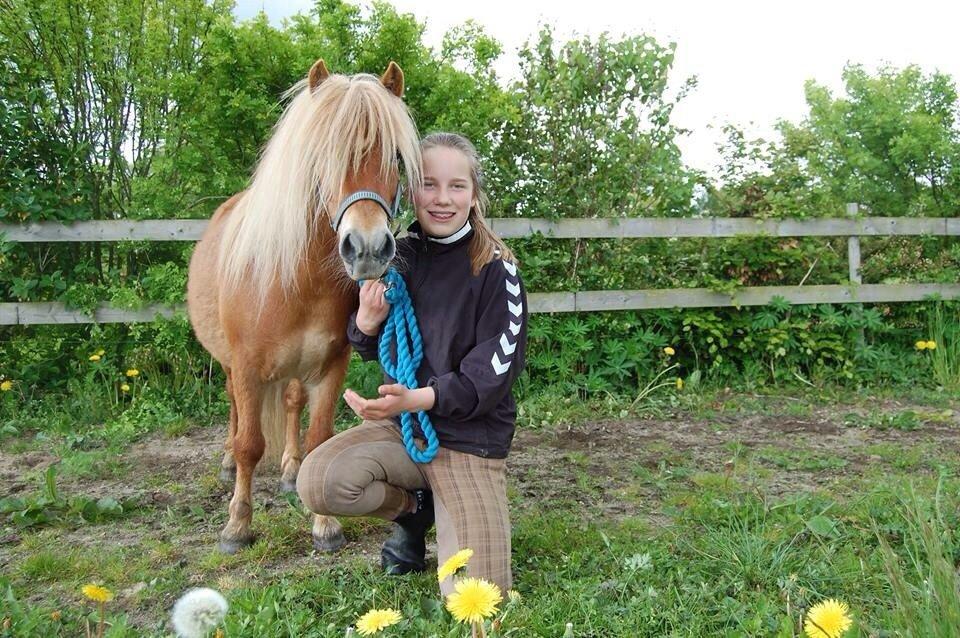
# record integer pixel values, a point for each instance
(393, 79)
(318, 73)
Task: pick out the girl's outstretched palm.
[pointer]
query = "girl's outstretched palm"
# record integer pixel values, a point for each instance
(394, 399)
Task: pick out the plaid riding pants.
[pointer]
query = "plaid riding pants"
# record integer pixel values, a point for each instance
(365, 471)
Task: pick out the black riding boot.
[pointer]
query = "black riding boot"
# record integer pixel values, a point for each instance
(405, 551)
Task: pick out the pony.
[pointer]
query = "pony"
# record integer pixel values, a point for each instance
(271, 283)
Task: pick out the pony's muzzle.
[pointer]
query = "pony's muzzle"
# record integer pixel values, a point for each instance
(366, 255)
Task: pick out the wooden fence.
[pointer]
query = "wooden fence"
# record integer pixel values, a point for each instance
(852, 227)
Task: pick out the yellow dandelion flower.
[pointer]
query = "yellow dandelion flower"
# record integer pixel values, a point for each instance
(97, 593)
(55, 615)
(931, 345)
(827, 619)
(376, 620)
(133, 372)
(125, 388)
(679, 383)
(473, 599)
(454, 564)
(514, 596)
(6, 386)
(920, 345)
(669, 351)
(95, 357)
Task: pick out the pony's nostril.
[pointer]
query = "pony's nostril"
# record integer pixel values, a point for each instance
(386, 250)
(348, 249)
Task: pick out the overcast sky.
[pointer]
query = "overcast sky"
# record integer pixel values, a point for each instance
(751, 58)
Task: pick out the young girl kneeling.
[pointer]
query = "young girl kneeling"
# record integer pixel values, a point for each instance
(471, 308)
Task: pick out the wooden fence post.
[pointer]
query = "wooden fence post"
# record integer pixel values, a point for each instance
(853, 258)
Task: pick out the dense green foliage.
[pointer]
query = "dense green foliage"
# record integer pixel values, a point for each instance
(158, 110)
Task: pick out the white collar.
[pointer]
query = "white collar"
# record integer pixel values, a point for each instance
(460, 234)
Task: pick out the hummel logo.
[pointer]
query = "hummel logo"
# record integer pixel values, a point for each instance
(498, 367)
(508, 347)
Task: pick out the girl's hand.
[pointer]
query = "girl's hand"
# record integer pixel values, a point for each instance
(394, 399)
(373, 308)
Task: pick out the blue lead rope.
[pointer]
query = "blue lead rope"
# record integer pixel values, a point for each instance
(401, 328)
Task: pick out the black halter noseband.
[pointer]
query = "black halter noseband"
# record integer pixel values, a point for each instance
(358, 196)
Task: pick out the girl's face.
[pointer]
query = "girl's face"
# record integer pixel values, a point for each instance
(444, 202)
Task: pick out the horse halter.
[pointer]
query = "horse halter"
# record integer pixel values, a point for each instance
(358, 196)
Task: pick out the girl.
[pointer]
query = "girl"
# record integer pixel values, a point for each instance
(471, 309)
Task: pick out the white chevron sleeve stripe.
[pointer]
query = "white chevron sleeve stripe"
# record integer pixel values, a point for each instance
(515, 307)
(499, 367)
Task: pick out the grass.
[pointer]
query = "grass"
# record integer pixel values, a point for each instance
(707, 535)
(924, 581)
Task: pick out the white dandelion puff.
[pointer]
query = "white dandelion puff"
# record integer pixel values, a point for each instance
(198, 612)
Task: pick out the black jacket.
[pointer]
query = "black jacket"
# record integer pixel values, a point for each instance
(474, 331)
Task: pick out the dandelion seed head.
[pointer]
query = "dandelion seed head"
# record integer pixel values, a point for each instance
(197, 612)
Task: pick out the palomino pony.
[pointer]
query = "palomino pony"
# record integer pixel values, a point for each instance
(271, 285)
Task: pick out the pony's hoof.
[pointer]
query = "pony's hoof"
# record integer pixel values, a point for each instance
(329, 545)
(287, 486)
(234, 545)
(228, 475)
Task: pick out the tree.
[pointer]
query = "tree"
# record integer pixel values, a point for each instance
(594, 137)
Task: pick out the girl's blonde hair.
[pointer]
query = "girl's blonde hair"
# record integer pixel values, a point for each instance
(485, 246)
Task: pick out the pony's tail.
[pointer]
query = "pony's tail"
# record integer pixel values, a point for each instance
(273, 423)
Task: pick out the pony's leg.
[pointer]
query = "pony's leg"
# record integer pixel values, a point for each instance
(248, 446)
(327, 531)
(294, 398)
(228, 466)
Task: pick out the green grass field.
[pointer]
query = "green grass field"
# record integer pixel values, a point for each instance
(719, 515)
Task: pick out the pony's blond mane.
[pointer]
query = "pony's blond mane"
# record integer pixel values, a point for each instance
(323, 136)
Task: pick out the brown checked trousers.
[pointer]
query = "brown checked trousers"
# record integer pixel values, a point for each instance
(365, 471)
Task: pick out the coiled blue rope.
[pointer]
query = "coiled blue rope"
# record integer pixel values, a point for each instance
(401, 328)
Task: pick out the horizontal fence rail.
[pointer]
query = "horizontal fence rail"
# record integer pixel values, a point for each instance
(852, 227)
(614, 228)
(584, 301)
